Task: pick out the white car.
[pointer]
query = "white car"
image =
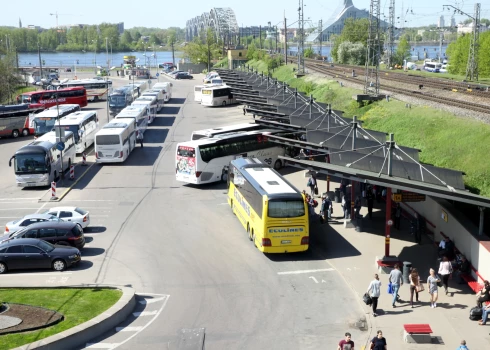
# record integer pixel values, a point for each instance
(73, 214)
(16, 225)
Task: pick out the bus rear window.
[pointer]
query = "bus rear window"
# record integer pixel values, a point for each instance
(107, 140)
(286, 208)
(186, 152)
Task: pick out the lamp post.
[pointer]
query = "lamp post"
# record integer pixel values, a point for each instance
(95, 55)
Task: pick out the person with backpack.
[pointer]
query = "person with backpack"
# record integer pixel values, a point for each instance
(374, 291)
(357, 207)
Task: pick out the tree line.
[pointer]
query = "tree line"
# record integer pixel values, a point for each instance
(88, 38)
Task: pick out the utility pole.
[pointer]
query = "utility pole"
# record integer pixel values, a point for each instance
(441, 38)
(300, 48)
(107, 53)
(40, 62)
(371, 86)
(391, 34)
(260, 37)
(472, 64)
(320, 29)
(275, 32)
(270, 37)
(285, 40)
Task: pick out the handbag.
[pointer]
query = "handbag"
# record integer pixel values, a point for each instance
(390, 288)
(367, 299)
(419, 288)
(316, 190)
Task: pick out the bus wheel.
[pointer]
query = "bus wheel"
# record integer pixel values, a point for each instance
(248, 232)
(96, 98)
(278, 164)
(25, 132)
(69, 164)
(224, 103)
(252, 237)
(15, 133)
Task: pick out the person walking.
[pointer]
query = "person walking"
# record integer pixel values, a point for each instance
(378, 342)
(357, 207)
(432, 288)
(347, 343)
(139, 137)
(398, 216)
(312, 185)
(374, 291)
(415, 285)
(370, 202)
(396, 281)
(445, 270)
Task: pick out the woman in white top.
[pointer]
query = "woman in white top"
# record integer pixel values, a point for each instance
(445, 270)
(374, 292)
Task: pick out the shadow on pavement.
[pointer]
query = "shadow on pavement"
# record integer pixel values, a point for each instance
(89, 239)
(82, 265)
(92, 251)
(20, 139)
(170, 110)
(162, 121)
(154, 136)
(94, 229)
(86, 178)
(177, 100)
(145, 156)
(210, 186)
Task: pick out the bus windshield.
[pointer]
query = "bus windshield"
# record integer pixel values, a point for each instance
(31, 98)
(30, 163)
(286, 208)
(74, 129)
(107, 140)
(43, 125)
(117, 100)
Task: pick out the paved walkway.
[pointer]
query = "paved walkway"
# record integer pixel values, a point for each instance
(355, 259)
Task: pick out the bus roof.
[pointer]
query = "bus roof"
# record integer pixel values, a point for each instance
(228, 136)
(223, 129)
(113, 129)
(12, 108)
(76, 117)
(82, 81)
(29, 93)
(264, 179)
(133, 110)
(215, 87)
(119, 123)
(145, 98)
(52, 112)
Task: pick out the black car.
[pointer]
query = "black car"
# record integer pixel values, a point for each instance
(31, 253)
(54, 232)
(183, 75)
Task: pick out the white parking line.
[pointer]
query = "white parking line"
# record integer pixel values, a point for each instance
(37, 274)
(9, 217)
(18, 199)
(101, 345)
(303, 271)
(128, 329)
(144, 313)
(18, 209)
(151, 301)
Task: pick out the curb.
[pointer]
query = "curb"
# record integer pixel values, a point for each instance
(81, 334)
(63, 195)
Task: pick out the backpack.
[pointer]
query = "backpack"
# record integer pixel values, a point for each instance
(476, 313)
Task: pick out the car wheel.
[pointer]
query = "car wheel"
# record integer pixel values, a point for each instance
(224, 103)
(15, 134)
(69, 164)
(278, 164)
(3, 268)
(25, 132)
(224, 177)
(59, 265)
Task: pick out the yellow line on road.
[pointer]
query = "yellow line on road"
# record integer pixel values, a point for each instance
(60, 198)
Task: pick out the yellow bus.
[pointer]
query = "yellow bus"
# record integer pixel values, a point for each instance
(271, 209)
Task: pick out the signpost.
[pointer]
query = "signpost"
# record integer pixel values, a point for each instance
(60, 146)
(158, 75)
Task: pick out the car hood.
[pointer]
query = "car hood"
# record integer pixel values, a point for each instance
(60, 249)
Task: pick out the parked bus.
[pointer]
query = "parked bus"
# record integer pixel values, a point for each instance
(115, 141)
(151, 103)
(122, 97)
(217, 96)
(39, 163)
(207, 133)
(96, 89)
(44, 122)
(198, 88)
(433, 67)
(270, 208)
(159, 94)
(49, 98)
(206, 160)
(167, 89)
(139, 113)
(83, 125)
(14, 120)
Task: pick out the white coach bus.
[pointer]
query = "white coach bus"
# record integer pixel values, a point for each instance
(206, 160)
(115, 141)
(167, 89)
(151, 103)
(84, 125)
(207, 133)
(220, 95)
(139, 113)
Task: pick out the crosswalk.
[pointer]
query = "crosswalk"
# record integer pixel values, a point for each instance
(148, 307)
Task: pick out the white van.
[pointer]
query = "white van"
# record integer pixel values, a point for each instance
(167, 87)
(115, 141)
(84, 125)
(158, 94)
(151, 103)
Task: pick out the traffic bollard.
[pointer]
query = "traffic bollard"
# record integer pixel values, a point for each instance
(72, 172)
(84, 159)
(53, 190)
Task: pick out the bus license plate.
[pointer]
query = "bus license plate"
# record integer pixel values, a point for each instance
(285, 242)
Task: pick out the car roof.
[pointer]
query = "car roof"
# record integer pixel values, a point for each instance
(37, 216)
(62, 208)
(54, 224)
(20, 241)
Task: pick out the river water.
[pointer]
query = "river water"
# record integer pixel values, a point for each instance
(65, 59)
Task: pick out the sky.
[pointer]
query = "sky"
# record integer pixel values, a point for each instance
(252, 12)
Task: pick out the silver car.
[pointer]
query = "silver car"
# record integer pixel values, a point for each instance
(16, 225)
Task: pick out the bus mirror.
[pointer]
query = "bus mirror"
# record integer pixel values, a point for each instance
(58, 156)
(10, 161)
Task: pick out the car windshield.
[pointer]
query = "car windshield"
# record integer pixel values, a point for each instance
(30, 163)
(47, 247)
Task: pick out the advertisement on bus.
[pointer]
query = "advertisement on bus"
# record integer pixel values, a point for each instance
(186, 161)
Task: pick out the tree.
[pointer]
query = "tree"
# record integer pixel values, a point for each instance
(308, 53)
(355, 31)
(9, 79)
(402, 51)
(154, 39)
(351, 53)
(458, 51)
(203, 50)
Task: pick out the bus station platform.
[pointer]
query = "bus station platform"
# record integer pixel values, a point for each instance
(355, 254)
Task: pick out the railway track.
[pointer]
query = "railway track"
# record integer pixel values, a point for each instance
(442, 84)
(417, 94)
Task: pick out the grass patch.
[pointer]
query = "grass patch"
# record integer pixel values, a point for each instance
(445, 139)
(77, 305)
